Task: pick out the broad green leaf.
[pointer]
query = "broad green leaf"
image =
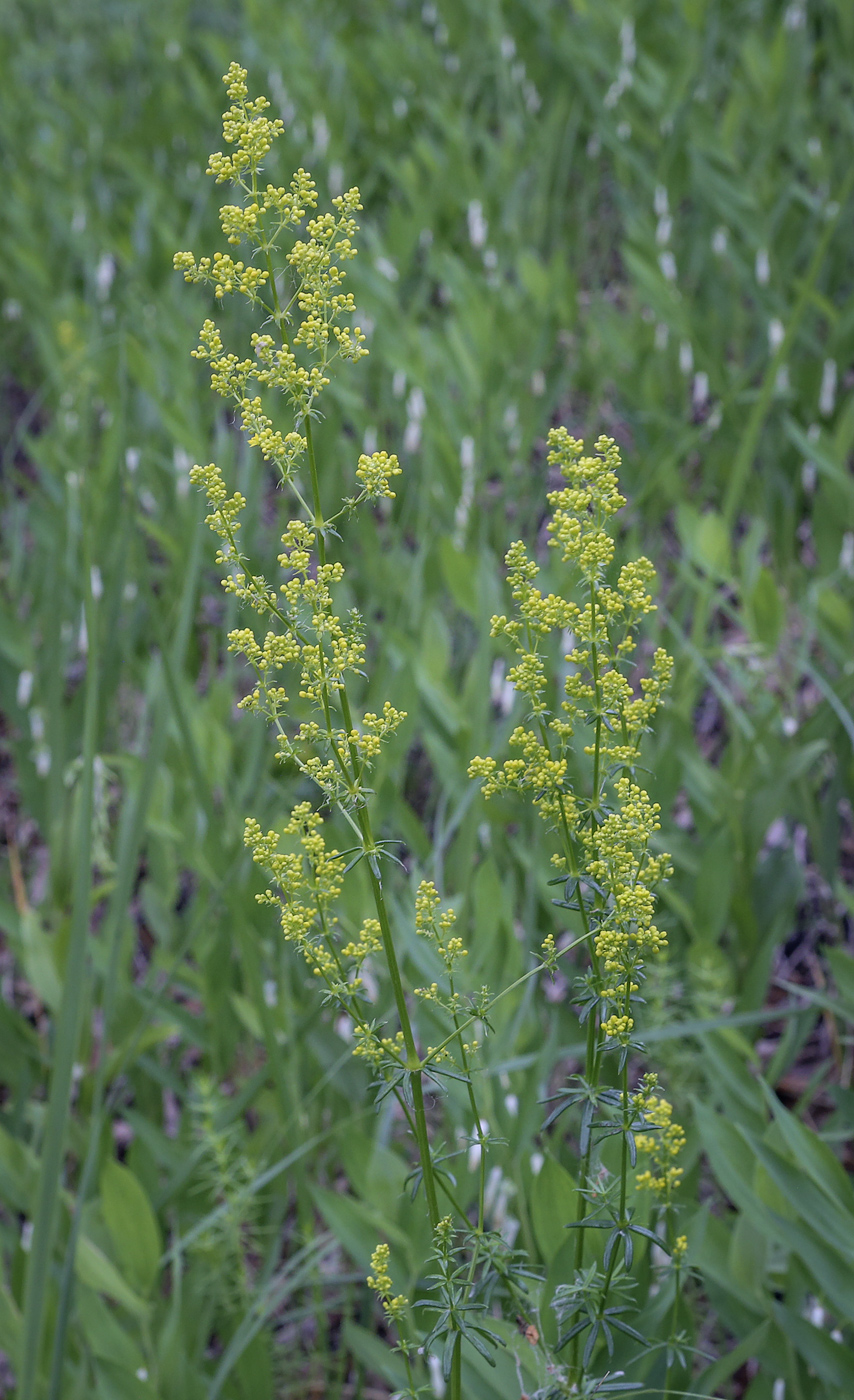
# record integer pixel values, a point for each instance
(713, 890)
(94, 1269)
(114, 1382)
(104, 1334)
(459, 568)
(18, 1171)
(766, 609)
(554, 1205)
(735, 1087)
(747, 1255)
(710, 1248)
(711, 545)
(373, 1353)
(247, 1014)
(720, 1371)
(835, 613)
(132, 1225)
(36, 949)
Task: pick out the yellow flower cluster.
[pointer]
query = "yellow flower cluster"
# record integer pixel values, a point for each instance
(308, 877)
(606, 836)
(304, 628)
(226, 275)
(375, 729)
(427, 901)
(316, 265)
(309, 882)
(369, 941)
(619, 860)
(581, 508)
(244, 126)
(618, 1027)
(377, 1049)
(277, 650)
(437, 928)
(602, 628)
(661, 1147)
(373, 474)
(535, 772)
(380, 1281)
(284, 451)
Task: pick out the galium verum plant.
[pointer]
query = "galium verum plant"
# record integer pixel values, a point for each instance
(603, 856)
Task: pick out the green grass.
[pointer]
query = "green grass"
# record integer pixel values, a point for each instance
(181, 1023)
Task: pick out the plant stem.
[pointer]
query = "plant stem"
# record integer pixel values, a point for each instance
(364, 821)
(673, 1321)
(415, 1077)
(457, 1370)
(315, 492)
(594, 660)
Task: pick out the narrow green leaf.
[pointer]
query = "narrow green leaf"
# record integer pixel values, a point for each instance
(830, 1360)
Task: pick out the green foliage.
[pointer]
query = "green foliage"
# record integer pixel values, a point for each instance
(630, 218)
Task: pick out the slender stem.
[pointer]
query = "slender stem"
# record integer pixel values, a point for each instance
(457, 1370)
(584, 1176)
(594, 659)
(478, 1122)
(673, 1321)
(415, 1076)
(624, 1157)
(364, 821)
(585, 1161)
(315, 492)
(526, 977)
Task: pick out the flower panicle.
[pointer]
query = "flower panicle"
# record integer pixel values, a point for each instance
(610, 832)
(288, 259)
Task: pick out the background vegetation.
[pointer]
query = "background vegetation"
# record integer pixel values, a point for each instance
(634, 218)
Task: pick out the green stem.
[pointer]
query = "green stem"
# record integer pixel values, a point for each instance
(473, 1104)
(585, 1161)
(456, 1392)
(594, 657)
(624, 1158)
(583, 1179)
(363, 817)
(493, 1001)
(413, 1063)
(315, 492)
(673, 1321)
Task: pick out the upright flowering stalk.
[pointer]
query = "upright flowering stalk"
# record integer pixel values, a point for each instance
(576, 756)
(307, 326)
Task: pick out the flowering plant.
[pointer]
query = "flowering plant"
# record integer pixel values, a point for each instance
(599, 818)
